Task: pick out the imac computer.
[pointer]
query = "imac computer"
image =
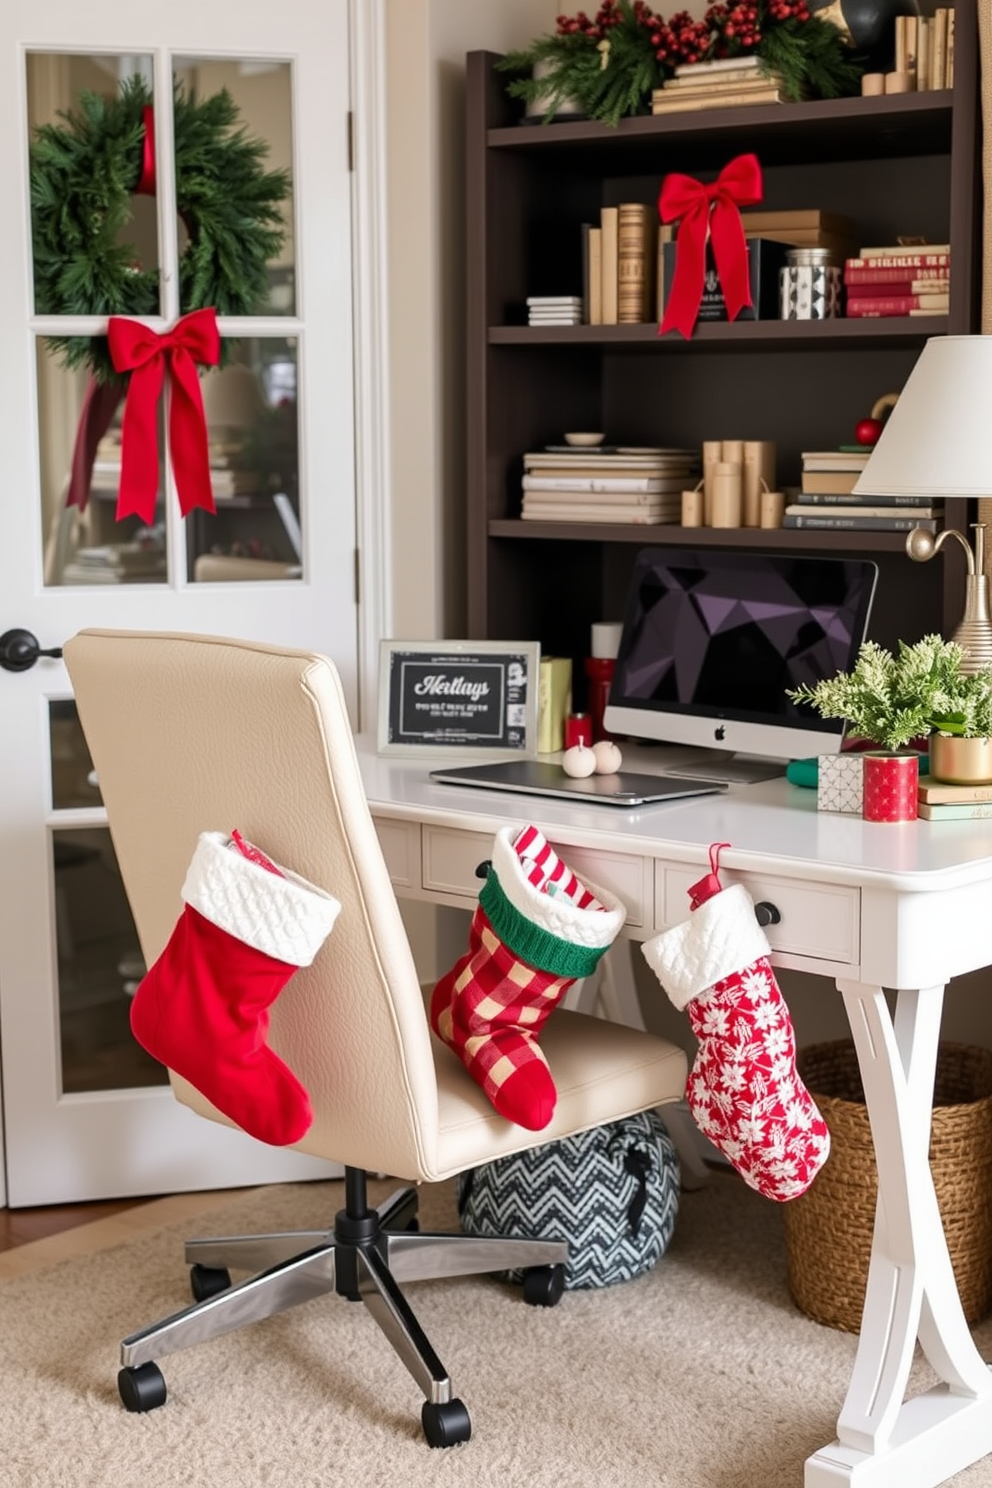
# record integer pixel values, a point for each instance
(713, 640)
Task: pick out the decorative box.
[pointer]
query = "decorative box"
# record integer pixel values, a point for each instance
(839, 784)
(764, 259)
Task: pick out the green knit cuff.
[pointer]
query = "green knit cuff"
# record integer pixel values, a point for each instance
(531, 944)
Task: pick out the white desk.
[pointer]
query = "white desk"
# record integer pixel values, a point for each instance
(870, 905)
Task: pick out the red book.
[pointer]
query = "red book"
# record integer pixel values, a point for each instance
(902, 274)
(901, 261)
(866, 305)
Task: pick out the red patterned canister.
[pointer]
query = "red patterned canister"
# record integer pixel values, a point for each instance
(890, 787)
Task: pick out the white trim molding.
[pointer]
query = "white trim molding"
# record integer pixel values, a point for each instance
(373, 483)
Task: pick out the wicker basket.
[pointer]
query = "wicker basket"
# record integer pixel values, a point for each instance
(828, 1229)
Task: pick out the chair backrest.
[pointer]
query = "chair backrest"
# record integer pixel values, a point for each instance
(197, 733)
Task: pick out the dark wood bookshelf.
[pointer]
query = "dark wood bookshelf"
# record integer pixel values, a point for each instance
(903, 164)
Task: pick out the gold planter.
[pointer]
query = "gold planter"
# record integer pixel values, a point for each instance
(960, 761)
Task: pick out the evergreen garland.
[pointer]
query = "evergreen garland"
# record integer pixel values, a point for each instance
(83, 172)
(610, 63)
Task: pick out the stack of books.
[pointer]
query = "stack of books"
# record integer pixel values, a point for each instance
(555, 310)
(924, 48)
(897, 279)
(827, 500)
(729, 82)
(614, 483)
(118, 563)
(618, 264)
(953, 802)
(805, 227)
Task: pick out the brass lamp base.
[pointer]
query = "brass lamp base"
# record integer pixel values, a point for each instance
(974, 634)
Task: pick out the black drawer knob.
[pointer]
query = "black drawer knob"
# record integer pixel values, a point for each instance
(767, 914)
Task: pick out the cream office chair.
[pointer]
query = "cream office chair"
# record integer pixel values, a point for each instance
(191, 734)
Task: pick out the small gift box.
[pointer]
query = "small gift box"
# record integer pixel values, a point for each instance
(839, 783)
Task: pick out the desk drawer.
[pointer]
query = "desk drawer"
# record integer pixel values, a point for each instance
(400, 843)
(451, 858)
(822, 921)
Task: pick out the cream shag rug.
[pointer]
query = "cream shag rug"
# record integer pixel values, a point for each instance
(700, 1374)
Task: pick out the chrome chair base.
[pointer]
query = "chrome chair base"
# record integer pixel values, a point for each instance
(363, 1258)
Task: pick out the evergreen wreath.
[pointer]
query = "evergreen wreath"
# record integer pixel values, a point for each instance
(610, 63)
(83, 172)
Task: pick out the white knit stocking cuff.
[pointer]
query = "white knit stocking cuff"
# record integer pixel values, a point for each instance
(720, 937)
(288, 917)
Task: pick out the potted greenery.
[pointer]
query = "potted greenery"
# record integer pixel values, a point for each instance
(920, 692)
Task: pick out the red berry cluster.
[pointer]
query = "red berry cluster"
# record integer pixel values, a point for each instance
(788, 10)
(608, 15)
(681, 39)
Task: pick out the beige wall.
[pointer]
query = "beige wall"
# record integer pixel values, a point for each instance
(426, 43)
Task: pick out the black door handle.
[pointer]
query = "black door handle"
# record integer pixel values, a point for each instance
(19, 650)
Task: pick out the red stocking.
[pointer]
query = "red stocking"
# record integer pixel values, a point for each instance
(202, 1010)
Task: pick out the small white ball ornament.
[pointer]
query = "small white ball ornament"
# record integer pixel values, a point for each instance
(579, 761)
(608, 757)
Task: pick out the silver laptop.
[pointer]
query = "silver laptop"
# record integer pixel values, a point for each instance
(540, 778)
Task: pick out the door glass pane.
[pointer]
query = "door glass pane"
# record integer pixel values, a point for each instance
(94, 223)
(74, 781)
(82, 541)
(250, 407)
(99, 967)
(234, 152)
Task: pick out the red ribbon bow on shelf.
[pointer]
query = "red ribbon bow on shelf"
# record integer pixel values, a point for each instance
(145, 353)
(714, 210)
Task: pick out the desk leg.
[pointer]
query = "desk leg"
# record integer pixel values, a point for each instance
(883, 1440)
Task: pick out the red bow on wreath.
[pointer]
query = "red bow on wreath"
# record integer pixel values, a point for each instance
(712, 210)
(144, 353)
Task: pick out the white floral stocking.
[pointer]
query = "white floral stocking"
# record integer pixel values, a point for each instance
(743, 1089)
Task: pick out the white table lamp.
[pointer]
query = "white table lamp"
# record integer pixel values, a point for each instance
(938, 443)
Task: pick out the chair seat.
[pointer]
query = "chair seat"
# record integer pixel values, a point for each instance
(633, 1070)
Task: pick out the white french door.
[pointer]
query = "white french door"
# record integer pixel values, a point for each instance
(86, 1114)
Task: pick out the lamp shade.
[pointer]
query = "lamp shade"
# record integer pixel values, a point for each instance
(937, 440)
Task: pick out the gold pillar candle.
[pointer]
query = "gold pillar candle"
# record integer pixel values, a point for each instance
(759, 475)
(727, 494)
(772, 508)
(693, 507)
(711, 458)
(872, 84)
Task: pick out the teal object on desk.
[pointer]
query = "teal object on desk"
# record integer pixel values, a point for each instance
(803, 772)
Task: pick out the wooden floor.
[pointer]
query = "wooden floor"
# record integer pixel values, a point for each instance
(21, 1226)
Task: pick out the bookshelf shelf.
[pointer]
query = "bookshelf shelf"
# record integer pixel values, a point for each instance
(901, 164)
(814, 335)
(700, 537)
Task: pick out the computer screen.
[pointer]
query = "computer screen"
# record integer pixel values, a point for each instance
(712, 641)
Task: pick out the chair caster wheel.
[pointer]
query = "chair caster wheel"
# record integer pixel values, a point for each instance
(445, 1425)
(208, 1281)
(142, 1388)
(544, 1285)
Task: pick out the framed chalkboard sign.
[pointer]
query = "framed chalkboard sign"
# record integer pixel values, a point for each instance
(467, 698)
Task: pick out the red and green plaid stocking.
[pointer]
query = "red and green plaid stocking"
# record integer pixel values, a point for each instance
(536, 930)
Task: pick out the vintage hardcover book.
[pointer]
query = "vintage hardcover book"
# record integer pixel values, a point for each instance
(899, 278)
(725, 83)
(853, 523)
(804, 509)
(554, 702)
(938, 67)
(923, 54)
(905, 255)
(595, 276)
(805, 217)
(937, 793)
(610, 245)
(832, 498)
(662, 462)
(586, 229)
(635, 261)
(963, 812)
(736, 99)
(900, 42)
(949, 58)
(838, 459)
(912, 40)
(733, 75)
(601, 486)
(664, 509)
(868, 305)
(839, 482)
(717, 66)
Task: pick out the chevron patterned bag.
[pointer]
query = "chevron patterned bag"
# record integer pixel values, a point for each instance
(612, 1193)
